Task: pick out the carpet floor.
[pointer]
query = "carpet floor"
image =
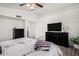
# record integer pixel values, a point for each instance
(69, 51)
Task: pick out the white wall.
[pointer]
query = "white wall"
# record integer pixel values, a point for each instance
(13, 12)
(6, 27)
(9, 21)
(70, 20)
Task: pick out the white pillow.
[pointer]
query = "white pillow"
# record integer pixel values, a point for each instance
(8, 43)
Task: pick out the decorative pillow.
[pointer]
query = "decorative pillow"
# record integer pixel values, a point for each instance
(42, 45)
(0, 50)
(41, 38)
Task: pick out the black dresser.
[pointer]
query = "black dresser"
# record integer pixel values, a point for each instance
(59, 38)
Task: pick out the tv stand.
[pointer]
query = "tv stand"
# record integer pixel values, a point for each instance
(59, 38)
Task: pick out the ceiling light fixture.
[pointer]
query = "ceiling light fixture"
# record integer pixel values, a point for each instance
(28, 5)
(32, 6)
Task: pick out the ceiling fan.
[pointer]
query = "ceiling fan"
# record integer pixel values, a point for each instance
(32, 5)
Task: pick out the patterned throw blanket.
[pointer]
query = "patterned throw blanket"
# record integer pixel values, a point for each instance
(69, 51)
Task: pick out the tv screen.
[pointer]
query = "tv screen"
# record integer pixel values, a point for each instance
(18, 33)
(55, 27)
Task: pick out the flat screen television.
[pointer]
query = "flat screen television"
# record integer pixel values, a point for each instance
(55, 27)
(18, 33)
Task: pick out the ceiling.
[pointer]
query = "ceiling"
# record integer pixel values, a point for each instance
(52, 6)
(16, 6)
(48, 7)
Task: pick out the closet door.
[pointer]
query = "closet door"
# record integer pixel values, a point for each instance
(31, 29)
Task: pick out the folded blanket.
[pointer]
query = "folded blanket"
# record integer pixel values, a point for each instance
(42, 45)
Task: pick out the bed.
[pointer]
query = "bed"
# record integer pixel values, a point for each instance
(54, 51)
(25, 47)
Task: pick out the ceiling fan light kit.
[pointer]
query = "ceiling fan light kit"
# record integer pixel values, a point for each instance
(31, 6)
(28, 5)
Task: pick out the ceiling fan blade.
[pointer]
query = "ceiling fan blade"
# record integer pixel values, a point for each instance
(22, 4)
(39, 5)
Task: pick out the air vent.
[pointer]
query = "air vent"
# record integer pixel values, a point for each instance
(18, 16)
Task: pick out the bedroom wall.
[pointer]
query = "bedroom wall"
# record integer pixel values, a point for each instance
(6, 27)
(10, 12)
(69, 19)
(8, 19)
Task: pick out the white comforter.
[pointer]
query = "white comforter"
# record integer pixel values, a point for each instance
(25, 46)
(17, 47)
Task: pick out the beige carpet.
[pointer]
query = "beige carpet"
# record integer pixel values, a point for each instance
(69, 51)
